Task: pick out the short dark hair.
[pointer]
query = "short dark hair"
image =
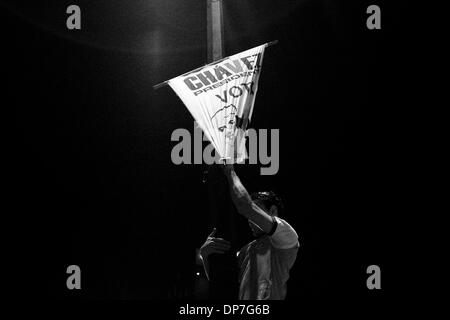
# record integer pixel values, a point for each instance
(269, 199)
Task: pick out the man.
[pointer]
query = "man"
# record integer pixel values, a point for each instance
(265, 262)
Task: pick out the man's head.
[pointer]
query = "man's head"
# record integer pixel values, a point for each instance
(270, 203)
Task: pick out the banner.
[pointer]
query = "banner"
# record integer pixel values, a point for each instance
(220, 96)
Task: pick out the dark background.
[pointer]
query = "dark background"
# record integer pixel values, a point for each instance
(91, 179)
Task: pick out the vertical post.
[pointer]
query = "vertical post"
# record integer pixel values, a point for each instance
(214, 20)
(223, 272)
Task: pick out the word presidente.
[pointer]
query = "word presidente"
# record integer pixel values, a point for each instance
(181, 152)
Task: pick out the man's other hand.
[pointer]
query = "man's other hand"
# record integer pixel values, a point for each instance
(214, 245)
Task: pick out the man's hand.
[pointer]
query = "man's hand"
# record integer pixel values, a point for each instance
(214, 245)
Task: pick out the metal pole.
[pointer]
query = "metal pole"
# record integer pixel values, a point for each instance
(214, 20)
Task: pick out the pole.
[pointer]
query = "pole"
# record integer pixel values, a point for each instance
(223, 272)
(214, 19)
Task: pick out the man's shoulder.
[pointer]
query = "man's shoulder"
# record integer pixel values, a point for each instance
(284, 237)
(283, 222)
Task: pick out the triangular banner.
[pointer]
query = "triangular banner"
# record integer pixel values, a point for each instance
(220, 96)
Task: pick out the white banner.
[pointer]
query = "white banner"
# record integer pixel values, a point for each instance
(220, 96)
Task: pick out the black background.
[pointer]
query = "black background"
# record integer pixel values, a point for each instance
(91, 178)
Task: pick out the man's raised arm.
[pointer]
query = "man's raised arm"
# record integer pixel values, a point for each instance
(244, 203)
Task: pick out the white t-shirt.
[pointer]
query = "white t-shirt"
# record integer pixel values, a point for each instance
(265, 263)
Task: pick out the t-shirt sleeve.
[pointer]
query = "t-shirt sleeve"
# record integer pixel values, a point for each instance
(284, 236)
